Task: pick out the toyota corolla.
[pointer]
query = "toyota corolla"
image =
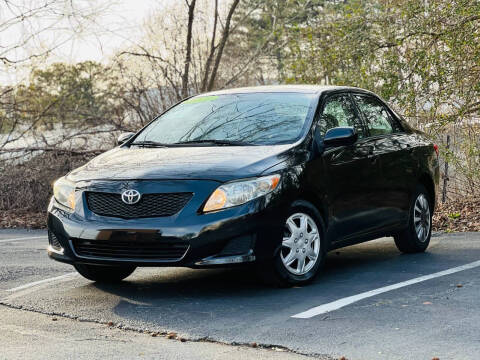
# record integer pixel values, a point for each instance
(270, 176)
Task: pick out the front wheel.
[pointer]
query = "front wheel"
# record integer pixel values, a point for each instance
(302, 250)
(106, 274)
(416, 237)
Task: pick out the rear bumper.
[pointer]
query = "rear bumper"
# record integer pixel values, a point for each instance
(243, 234)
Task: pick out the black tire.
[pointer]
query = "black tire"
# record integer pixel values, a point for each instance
(274, 272)
(408, 241)
(105, 274)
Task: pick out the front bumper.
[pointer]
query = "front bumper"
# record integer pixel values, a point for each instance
(245, 233)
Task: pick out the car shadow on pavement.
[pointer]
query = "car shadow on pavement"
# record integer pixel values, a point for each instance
(237, 281)
(183, 298)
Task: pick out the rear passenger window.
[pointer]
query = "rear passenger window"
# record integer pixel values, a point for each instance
(379, 121)
(339, 111)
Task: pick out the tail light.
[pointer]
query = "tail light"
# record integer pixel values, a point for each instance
(435, 147)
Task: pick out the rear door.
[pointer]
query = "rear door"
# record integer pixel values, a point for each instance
(349, 171)
(397, 170)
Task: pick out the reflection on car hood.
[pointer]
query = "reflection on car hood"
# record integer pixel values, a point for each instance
(220, 163)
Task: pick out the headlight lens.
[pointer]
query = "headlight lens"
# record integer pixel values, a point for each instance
(64, 192)
(240, 192)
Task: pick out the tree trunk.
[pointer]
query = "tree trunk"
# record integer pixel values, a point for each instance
(223, 41)
(188, 55)
(212, 50)
(445, 174)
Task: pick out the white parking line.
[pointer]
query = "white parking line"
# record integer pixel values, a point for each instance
(23, 238)
(335, 305)
(60, 278)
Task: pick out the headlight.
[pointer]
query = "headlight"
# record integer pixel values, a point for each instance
(240, 192)
(64, 192)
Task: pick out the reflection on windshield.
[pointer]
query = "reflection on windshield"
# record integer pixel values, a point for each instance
(254, 118)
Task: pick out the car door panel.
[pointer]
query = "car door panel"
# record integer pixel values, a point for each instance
(348, 172)
(396, 167)
(399, 173)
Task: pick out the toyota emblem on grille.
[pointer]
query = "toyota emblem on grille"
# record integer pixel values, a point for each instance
(131, 197)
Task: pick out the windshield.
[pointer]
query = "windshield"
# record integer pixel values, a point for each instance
(241, 119)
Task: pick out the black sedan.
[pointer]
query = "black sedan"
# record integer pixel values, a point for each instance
(271, 176)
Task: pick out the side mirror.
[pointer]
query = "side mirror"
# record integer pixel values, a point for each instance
(340, 136)
(124, 137)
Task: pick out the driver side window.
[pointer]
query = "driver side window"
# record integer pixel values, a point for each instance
(339, 111)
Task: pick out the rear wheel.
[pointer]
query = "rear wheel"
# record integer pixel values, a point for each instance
(416, 237)
(302, 251)
(105, 274)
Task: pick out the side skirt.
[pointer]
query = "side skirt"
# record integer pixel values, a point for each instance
(360, 238)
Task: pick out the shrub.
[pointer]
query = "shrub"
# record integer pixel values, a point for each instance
(27, 187)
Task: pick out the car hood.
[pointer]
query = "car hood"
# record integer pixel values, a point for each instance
(221, 163)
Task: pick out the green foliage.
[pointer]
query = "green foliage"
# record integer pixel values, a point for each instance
(268, 26)
(423, 56)
(454, 215)
(77, 94)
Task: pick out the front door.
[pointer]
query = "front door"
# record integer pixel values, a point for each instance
(349, 171)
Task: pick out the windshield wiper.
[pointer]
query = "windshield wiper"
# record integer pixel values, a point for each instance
(148, 143)
(216, 142)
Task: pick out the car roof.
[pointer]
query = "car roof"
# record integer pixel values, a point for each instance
(307, 89)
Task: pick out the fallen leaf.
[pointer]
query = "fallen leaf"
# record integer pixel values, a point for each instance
(171, 335)
(427, 303)
(459, 285)
(54, 319)
(253, 344)
(110, 323)
(183, 339)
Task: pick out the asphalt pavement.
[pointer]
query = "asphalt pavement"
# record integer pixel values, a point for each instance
(376, 310)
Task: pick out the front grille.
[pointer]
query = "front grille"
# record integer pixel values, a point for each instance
(150, 205)
(53, 241)
(143, 250)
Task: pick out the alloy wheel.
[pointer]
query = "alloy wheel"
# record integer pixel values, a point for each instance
(421, 218)
(301, 244)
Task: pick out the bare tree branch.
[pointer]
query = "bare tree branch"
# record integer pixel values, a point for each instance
(188, 55)
(223, 41)
(212, 50)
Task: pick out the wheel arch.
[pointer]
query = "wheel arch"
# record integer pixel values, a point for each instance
(317, 202)
(427, 181)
